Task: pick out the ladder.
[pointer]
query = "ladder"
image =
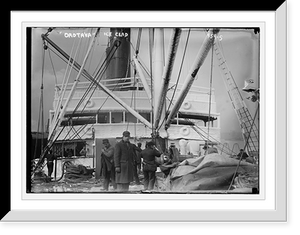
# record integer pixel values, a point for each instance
(247, 124)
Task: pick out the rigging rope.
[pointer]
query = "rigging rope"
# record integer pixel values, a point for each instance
(210, 139)
(59, 106)
(100, 106)
(64, 84)
(210, 87)
(66, 61)
(70, 69)
(52, 66)
(93, 85)
(41, 109)
(204, 136)
(151, 35)
(132, 98)
(138, 42)
(81, 128)
(140, 61)
(245, 146)
(50, 143)
(42, 96)
(46, 149)
(108, 57)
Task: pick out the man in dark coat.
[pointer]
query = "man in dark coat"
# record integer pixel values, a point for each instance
(50, 158)
(149, 165)
(137, 163)
(124, 157)
(107, 164)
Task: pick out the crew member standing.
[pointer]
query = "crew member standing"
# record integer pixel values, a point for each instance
(107, 164)
(50, 158)
(149, 165)
(124, 162)
(137, 163)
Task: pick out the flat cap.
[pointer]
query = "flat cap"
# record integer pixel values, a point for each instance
(126, 133)
(151, 143)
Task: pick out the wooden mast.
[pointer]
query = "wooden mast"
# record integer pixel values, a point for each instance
(161, 77)
(200, 58)
(158, 66)
(165, 79)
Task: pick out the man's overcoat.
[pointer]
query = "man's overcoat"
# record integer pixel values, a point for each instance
(124, 158)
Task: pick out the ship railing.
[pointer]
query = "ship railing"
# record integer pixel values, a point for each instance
(130, 83)
(125, 83)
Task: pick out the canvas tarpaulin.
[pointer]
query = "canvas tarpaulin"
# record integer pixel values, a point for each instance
(210, 172)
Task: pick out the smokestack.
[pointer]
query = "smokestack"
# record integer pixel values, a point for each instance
(118, 54)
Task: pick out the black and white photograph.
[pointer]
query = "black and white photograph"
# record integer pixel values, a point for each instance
(126, 117)
(141, 110)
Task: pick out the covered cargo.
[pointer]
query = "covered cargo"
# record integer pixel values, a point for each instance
(210, 172)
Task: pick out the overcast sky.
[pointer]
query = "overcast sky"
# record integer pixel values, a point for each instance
(240, 47)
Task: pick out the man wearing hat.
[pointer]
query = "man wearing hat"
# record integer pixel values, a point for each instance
(50, 158)
(149, 165)
(124, 157)
(107, 164)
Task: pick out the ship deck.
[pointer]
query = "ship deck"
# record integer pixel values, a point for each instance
(96, 186)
